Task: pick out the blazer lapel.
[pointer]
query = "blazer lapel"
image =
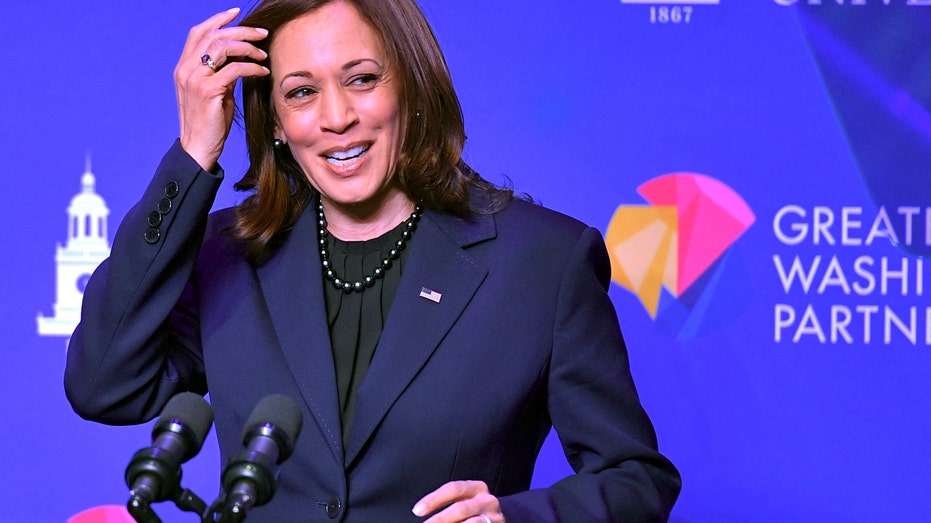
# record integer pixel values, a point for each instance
(416, 324)
(291, 282)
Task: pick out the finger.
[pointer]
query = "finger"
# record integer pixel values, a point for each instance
(473, 510)
(448, 493)
(216, 39)
(225, 51)
(238, 32)
(193, 54)
(197, 33)
(459, 511)
(235, 70)
(204, 83)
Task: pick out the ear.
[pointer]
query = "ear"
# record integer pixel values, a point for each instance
(278, 131)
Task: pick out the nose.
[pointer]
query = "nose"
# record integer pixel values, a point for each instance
(337, 113)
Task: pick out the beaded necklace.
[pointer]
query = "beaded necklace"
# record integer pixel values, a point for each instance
(369, 280)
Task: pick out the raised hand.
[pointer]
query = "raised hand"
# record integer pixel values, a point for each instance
(214, 58)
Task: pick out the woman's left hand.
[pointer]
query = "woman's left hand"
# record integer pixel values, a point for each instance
(464, 501)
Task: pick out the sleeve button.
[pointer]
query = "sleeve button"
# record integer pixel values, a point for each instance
(152, 234)
(164, 205)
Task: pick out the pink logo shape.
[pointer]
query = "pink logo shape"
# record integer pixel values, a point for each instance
(711, 217)
(105, 514)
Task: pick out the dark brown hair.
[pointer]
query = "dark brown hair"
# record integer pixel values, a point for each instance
(429, 166)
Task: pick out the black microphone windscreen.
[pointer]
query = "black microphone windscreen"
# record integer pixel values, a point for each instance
(193, 410)
(278, 410)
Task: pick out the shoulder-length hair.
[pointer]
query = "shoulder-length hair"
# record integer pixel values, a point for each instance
(431, 126)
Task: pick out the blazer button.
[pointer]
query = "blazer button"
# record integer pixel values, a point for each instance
(164, 205)
(332, 507)
(155, 218)
(152, 234)
(172, 189)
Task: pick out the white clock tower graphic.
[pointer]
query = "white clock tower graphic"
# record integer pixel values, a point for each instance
(87, 246)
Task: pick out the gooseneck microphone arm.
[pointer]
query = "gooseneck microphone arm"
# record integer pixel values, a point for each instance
(251, 476)
(154, 472)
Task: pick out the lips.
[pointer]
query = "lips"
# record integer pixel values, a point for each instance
(346, 160)
(346, 156)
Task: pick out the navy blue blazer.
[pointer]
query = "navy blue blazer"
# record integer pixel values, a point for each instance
(524, 337)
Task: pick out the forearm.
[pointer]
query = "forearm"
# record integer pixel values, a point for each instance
(635, 492)
(137, 343)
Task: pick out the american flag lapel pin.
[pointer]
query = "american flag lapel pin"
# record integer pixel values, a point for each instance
(430, 295)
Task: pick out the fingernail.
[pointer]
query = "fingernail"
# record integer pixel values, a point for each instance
(262, 30)
(419, 509)
(233, 10)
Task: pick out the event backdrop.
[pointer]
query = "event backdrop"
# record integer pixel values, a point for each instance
(760, 169)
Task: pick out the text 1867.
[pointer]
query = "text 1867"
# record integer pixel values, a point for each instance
(665, 14)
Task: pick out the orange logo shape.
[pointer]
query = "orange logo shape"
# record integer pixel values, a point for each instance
(691, 221)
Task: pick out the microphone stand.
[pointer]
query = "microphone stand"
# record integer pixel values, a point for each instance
(187, 501)
(249, 478)
(223, 512)
(150, 469)
(141, 511)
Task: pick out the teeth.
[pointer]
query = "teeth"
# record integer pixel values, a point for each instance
(348, 154)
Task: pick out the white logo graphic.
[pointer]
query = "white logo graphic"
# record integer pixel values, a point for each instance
(87, 246)
(672, 12)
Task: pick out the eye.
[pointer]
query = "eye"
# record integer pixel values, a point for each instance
(364, 80)
(300, 92)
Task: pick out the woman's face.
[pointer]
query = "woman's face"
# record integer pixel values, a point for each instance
(336, 105)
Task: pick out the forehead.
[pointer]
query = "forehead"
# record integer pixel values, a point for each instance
(334, 33)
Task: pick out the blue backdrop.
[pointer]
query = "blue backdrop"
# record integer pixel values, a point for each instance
(789, 383)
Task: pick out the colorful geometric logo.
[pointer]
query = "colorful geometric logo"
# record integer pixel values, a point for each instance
(691, 222)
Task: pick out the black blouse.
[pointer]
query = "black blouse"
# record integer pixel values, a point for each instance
(356, 319)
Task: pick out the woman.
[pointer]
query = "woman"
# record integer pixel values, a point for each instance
(432, 327)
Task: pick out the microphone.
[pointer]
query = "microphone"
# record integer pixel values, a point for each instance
(251, 477)
(154, 473)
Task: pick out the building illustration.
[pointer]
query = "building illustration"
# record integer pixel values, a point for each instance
(86, 247)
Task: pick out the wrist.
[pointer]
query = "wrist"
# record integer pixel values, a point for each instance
(206, 159)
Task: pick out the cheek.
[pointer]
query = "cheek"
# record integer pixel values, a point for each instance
(381, 110)
(296, 126)
(390, 123)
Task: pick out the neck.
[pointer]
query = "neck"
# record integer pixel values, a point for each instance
(364, 221)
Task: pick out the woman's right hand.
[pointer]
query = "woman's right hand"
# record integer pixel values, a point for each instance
(214, 58)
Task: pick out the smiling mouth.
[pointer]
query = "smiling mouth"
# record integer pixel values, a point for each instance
(348, 156)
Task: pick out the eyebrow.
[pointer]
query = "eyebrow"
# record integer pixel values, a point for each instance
(347, 66)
